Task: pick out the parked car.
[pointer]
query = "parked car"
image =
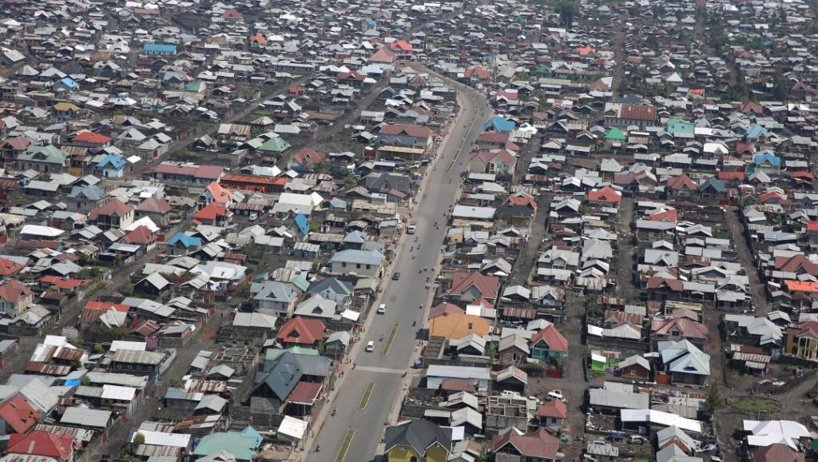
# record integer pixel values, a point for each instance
(637, 439)
(555, 394)
(616, 436)
(382, 309)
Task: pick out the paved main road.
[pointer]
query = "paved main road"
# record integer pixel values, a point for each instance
(402, 298)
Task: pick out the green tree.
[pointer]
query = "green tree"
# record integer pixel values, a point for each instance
(714, 400)
(781, 86)
(98, 348)
(567, 12)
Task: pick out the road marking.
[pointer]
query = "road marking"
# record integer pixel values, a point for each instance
(345, 446)
(382, 370)
(389, 340)
(367, 393)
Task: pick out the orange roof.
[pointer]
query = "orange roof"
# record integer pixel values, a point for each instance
(220, 195)
(402, 44)
(458, 325)
(606, 194)
(91, 137)
(97, 305)
(302, 330)
(211, 212)
(802, 286)
(258, 38)
(111, 207)
(586, 50)
(252, 179)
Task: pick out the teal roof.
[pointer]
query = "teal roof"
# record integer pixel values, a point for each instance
(273, 353)
(684, 357)
(242, 445)
(48, 154)
(274, 144)
(158, 48)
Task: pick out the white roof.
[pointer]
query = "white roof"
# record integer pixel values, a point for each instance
(123, 345)
(144, 221)
(118, 393)
(767, 432)
(292, 427)
(660, 418)
(174, 440)
(44, 231)
(313, 199)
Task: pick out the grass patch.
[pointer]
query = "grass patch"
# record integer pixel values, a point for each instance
(389, 340)
(367, 394)
(345, 446)
(753, 404)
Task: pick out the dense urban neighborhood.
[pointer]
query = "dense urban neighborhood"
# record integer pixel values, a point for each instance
(362, 231)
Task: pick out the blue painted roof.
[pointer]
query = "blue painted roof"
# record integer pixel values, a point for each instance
(69, 82)
(302, 223)
(187, 241)
(112, 161)
(755, 131)
(767, 157)
(500, 124)
(158, 48)
(370, 21)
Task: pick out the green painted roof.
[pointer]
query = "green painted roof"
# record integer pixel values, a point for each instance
(273, 353)
(49, 154)
(300, 282)
(615, 134)
(275, 144)
(242, 444)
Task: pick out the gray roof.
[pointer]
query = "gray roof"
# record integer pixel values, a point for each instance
(138, 357)
(86, 417)
(273, 291)
(333, 284)
(618, 400)
(417, 434)
(282, 374)
(212, 402)
(371, 257)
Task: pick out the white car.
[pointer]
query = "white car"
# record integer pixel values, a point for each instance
(370, 347)
(382, 309)
(555, 394)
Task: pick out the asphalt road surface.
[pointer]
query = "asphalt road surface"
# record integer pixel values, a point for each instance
(402, 299)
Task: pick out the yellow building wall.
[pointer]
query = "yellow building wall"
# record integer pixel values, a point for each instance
(436, 454)
(400, 454)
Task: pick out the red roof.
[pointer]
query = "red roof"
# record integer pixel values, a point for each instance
(731, 176)
(554, 408)
(65, 284)
(91, 138)
(154, 205)
(774, 196)
(408, 130)
(669, 216)
(493, 137)
(688, 327)
(504, 155)
(682, 181)
(477, 71)
(104, 306)
(812, 227)
(384, 55)
(675, 285)
(462, 280)
(301, 330)
(42, 443)
(210, 212)
(142, 235)
(305, 392)
(8, 267)
(12, 291)
(445, 308)
(777, 452)
(111, 207)
(308, 156)
(18, 414)
(457, 385)
(796, 264)
(552, 337)
(523, 200)
(539, 444)
(606, 194)
(806, 328)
